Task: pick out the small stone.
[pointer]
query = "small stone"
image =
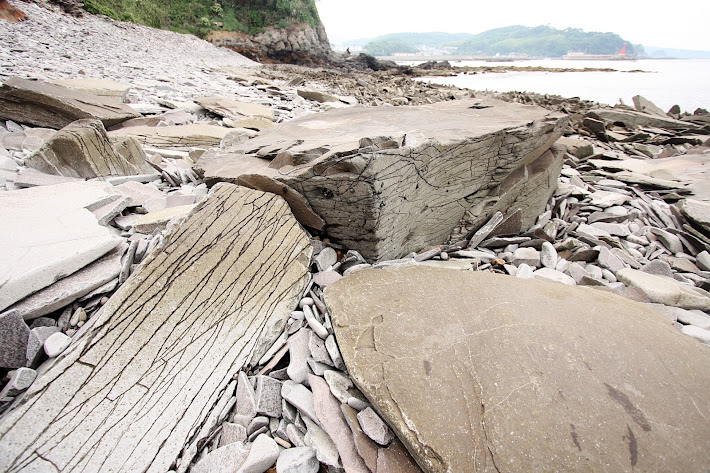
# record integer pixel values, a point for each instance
(306, 301)
(56, 344)
(325, 278)
(698, 333)
(295, 436)
(21, 379)
(225, 459)
(318, 350)
(268, 396)
(659, 268)
(396, 459)
(608, 275)
(326, 258)
(318, 439)
(693, 317)
(616, 229)
(317, 368)
(374, 427)
(609, 260)
(297, 460)
(529, 256)
(298, 352)
(35, 344)
(669, 240)
(552, 275)
(703, 260)
(548, 255)
(310, 316)
(14, 339)
(301, 398)
(246, 400)
(524, 272)
(332, 346)
(664, 290)
(257, 423)
(339, 385)
(232, 433)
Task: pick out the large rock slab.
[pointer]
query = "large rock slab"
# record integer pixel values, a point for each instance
(96, 86)
(635, 119)
(234, 109)
(172, 136)
(145, 375)
(50, 105)
(389, 180)
(47, 233)
(522, 375)
(82, 149)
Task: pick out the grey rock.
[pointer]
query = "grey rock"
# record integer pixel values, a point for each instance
(49, 105)
(325, 278)
(642, 104)
(700, 334)
(298, 352)
(389, 138)
(268, 396)
(56, 344)
(693, 317)
(246, 399)
(295, 436)
(13, 343)
(408, 374)
(664, 290)
(35, 344)
(374, 427)
(21, 379)
(659, 268)
(172, 137)
(318, 439)
(525, 271)
(326, 258)
(529, 256)
(396, 459)
(301, 398)
(552, 275)
(232, 433)
(297, 460)
(259, 423)
(319, 352)
(224, 459)
(634, 119)
(332, 346)
(670, 241)
(201, 276)
(548, 255)
(697, 211)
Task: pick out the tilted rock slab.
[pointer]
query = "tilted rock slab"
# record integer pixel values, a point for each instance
(387, 181)
(172, 136)
(41, 103)
(490, 373)
(82, 149)
(139, 382)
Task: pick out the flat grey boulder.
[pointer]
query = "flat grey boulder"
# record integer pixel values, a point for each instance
(635, 119)
(522, 375)
(47, 233)
(172, 136)
(40, 103)
(82, 149)
(136, 385)
(387, 181)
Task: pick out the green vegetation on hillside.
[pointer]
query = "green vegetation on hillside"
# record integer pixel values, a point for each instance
(202, 16)
(543, 41)
(389, 44)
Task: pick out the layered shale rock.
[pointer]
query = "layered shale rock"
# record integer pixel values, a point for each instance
(522, 375)
(82, 149)
(388, 181)
(40, 103)
(145, 375)
(173, 136)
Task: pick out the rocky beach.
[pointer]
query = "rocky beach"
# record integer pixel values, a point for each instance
(211, 264)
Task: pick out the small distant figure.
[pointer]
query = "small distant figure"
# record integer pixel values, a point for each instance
(347, 51)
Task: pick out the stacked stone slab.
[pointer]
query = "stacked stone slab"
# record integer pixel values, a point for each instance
(388, 181)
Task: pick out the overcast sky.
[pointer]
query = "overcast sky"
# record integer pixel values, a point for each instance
(675, 25)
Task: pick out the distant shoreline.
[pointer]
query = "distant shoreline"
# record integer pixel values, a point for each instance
(456, 58)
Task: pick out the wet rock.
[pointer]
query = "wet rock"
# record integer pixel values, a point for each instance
(200, 277)
(49, 105)
(380, 152)
(408, 374)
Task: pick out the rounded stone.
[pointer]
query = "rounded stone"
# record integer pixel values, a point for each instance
(56, 344)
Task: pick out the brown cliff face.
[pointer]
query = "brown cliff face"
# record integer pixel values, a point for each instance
(296, 44)
(10, 13)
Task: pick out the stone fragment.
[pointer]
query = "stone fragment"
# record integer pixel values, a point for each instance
(96, 86)
(21, 379)
(634, 119)
(664, 290)
(229, 108)
(298, 353)
(374, 427)
(332, 346)
(232, 433)
(13, 343)
(693, 317)
(642, 104)
(331, 417)
(326, 258)
(226, 459)
(669, 240)
(319, 352)
(364, 198)
(529, 256)
(659, 268)
(577, 147)
(297, 460)
(548, 255)
(47, 233)
(552, 275)
(35, 344)
(318, 439)
(697, 211)
(173, 136)
(246, 399)
(326, 278)
(316, 96)
(49, 105)
(150, 368)
(253, 123)
(301, 398)
(56, 344)
(432, 392)
(366, 448)
(268, 396)
(700, 334)
(158, 220)
(262, 455)
(72, 287)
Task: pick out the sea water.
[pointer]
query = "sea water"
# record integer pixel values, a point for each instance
(666, 82)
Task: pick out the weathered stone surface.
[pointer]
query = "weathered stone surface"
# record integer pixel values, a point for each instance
(234, 109)
(49, 105)
(47, 233)
(297, 460)
(13, 345)
(133, 388)
(664, 290)
(697, 211)
(96, 86)
(633, 119)
(70, 288)
(543, 378)
(174, 136)
(396, 459)
(157, 220)
(225, 459)
(642, 104)
(388, 181)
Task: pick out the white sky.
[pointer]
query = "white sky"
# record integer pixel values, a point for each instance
(674, 25)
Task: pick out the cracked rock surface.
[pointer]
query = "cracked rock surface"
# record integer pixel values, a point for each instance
(389, 180)
(145, 374)
(522, 375)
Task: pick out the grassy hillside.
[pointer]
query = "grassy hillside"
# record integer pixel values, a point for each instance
(410, 42)
(543, 41)
(202, 16)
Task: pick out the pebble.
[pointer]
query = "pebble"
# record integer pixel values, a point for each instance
(56, 344)
(374, 427)
(299, 352)
(527, 256)
(13, 343)
(548, 255)
(301, 398)
(21, 379)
